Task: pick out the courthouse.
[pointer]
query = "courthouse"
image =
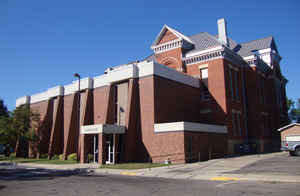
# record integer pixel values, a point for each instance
(194, 98)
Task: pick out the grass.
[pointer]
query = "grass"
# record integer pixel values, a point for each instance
(133, 165)
(38, 161)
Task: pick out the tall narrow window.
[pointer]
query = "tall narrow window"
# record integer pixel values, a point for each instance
(230, 84)
(237, 97)
(239, 130)
(204, 76)
(233, 124)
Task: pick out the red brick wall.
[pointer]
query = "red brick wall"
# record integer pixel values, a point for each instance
(57, 134)
(175, 101)
(132, 112)
(103, 114)
(70, 124)
(45, 109)
(171, 58)
(158, 147)
(205, 146)
(167, 36)
(160, 103)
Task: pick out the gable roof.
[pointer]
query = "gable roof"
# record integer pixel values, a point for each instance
(204, 40)
(247, 48)
(164, 29)
(288, 126)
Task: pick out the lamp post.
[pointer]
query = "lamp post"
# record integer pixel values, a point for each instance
(76, 75)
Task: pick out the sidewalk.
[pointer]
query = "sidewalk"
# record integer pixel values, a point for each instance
(217, 169)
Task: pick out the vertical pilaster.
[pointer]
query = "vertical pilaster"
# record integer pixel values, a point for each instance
(56, 137)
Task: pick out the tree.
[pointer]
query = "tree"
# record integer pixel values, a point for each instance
(294, 110)
(8, 135)
(17, 130)
(34, 135)
(3, 109)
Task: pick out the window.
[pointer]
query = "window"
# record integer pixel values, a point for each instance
(204, 73)
(238, 119)
(233, 124)
(204, 76)
(237, 97)
(230, 83)
(234, 83)
(236, 123)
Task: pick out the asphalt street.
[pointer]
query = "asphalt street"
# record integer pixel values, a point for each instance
(281, 164)
(272, 174)
(30, 181)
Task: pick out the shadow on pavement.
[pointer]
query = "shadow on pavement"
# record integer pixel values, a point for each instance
(25, 174)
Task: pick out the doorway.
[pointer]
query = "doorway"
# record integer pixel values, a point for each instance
(95, 148)
(110, 149)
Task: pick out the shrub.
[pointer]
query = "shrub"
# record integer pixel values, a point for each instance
(72, 157)
(44, 156)
(55, 157)
(60, 157)
(12, 155)
(90, 157)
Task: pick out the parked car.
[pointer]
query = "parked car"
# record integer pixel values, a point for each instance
(291, 144)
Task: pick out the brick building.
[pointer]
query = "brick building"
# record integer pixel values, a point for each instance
(194, 97)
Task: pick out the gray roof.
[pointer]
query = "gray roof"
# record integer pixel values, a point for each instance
(204, 41)
(248, 48)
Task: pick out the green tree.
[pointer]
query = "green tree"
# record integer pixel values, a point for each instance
(19, 129)
(3, 109)
(294, 110)
(8, 135)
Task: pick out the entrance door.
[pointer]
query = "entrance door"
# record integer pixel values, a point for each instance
(95, 149)
(110, 149)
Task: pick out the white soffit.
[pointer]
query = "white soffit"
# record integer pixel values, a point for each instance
(102, 128)
(56, 91)
(151, 68)
(22, 100)
(189, 126)
(85, 83)
(43, 96)
(141, 69)
(122, 73)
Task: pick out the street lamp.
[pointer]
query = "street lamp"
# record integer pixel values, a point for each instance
(76, 75)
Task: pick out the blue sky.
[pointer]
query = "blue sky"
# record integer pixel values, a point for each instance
(42, 43)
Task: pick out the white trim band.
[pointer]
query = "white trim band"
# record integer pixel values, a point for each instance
(189, 126)
(121, 73)
(22, 100)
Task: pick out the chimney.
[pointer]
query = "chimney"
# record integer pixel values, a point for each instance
(222, 30)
